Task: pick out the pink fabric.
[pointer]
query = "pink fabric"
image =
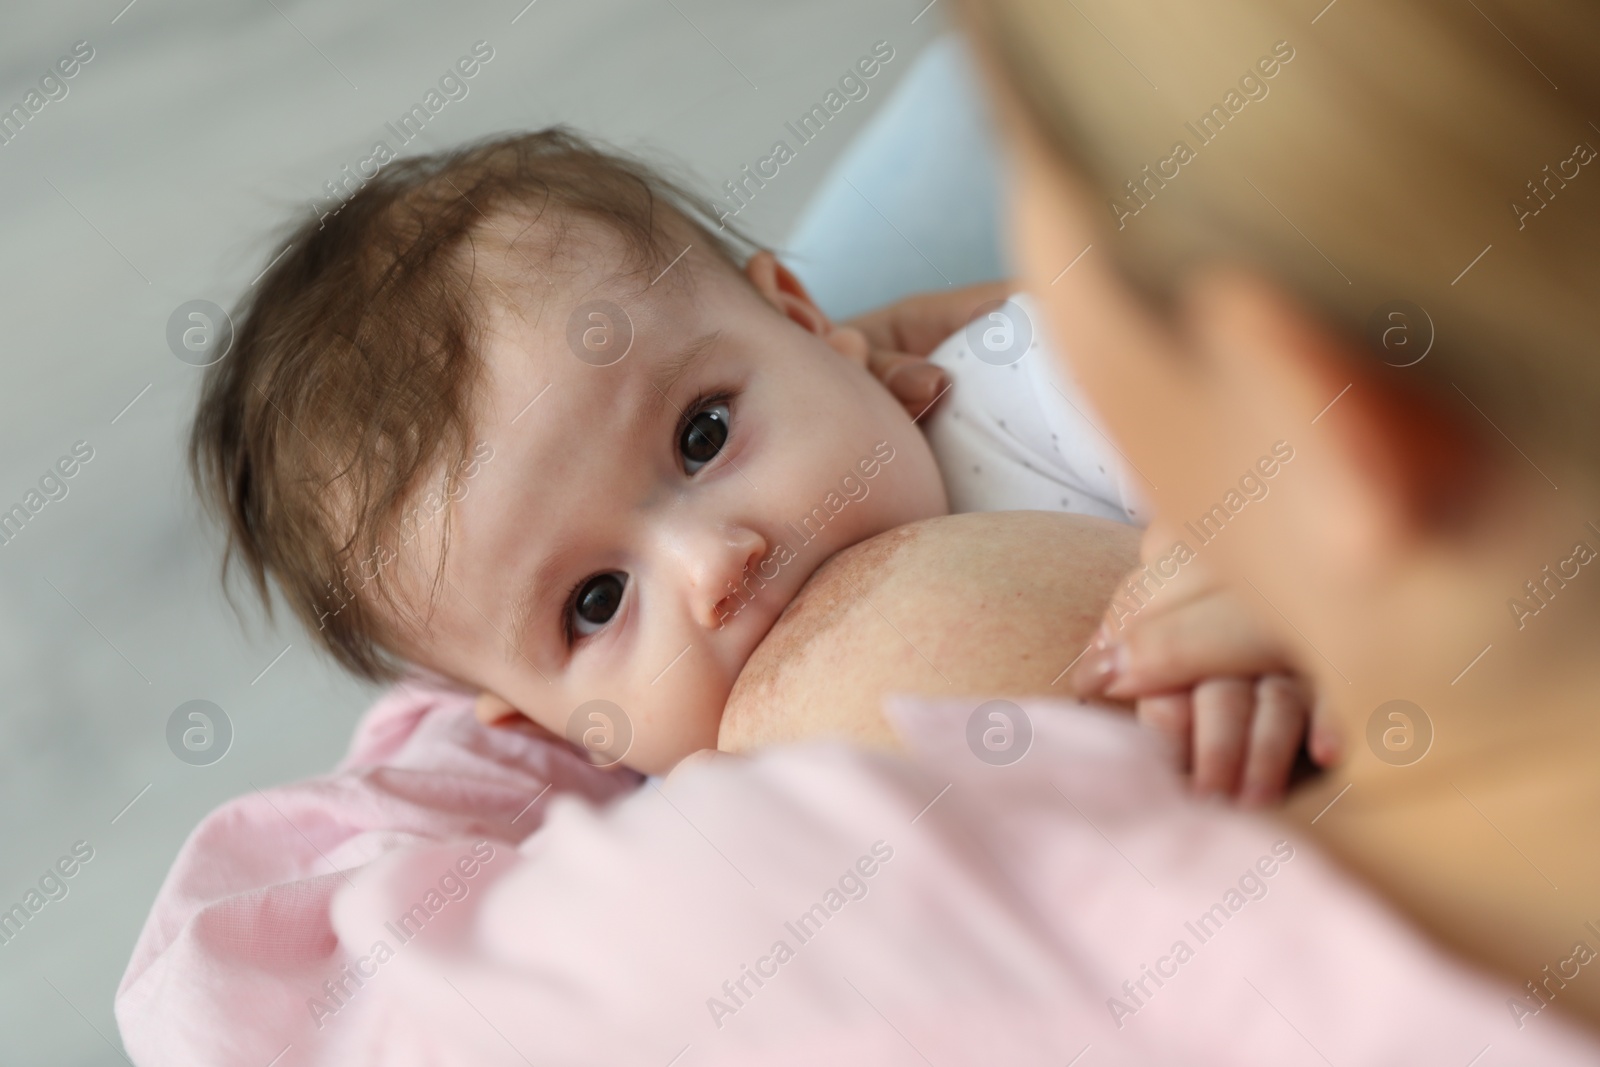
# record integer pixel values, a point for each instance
(240, 935)
(993, 916)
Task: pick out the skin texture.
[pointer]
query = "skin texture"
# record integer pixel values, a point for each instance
(591, 477)
(1383, 563)
(982, 605)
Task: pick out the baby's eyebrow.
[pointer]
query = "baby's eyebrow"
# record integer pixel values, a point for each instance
(522, 609)
(674, 367)
(535, 596)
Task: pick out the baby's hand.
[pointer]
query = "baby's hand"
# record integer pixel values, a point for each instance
(1237, 736)
(897, 339)
(1204, 675)
(912, 380)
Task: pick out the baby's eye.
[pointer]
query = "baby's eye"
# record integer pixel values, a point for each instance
(704, 435)
(596, 601)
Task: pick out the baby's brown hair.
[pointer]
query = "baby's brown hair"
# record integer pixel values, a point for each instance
(356, 360)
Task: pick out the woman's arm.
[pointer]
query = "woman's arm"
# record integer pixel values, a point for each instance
(983, 605)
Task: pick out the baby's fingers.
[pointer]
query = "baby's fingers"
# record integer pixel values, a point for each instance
(1171, 717)
(1326, 740)
(1276, 731)
(910, 378)
(1222, 711)
(914, 381)
(1208, 637)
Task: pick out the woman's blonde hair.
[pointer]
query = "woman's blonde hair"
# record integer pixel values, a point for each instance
(1442, 153)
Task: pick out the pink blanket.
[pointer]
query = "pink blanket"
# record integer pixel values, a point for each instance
(813, 905)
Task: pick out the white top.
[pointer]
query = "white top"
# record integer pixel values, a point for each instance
(1015, 432)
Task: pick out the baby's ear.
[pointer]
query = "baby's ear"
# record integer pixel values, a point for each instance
(780, 288)
(778, 285)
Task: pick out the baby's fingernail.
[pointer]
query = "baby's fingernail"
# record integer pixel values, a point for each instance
(1118, 683)
(1096, 672)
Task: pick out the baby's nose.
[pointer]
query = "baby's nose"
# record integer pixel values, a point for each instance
(722, 573)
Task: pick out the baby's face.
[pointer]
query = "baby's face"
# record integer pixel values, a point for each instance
(642, 524)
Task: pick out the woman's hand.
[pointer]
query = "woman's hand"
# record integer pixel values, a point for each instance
(896, 339)
(1207, 677)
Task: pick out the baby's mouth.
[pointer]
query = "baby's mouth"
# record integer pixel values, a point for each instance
(765, 598)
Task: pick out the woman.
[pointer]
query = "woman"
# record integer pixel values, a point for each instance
(1367, 233)
(1372, 236)
(1416, 548)
(1430, 540)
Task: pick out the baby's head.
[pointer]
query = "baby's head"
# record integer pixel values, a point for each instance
(516, 415)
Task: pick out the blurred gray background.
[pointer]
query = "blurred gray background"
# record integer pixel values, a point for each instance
(193, 133)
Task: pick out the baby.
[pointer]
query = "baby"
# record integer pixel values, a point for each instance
(519, 416)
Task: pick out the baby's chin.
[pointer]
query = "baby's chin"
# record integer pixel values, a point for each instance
(676, 726)
(663, 757)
